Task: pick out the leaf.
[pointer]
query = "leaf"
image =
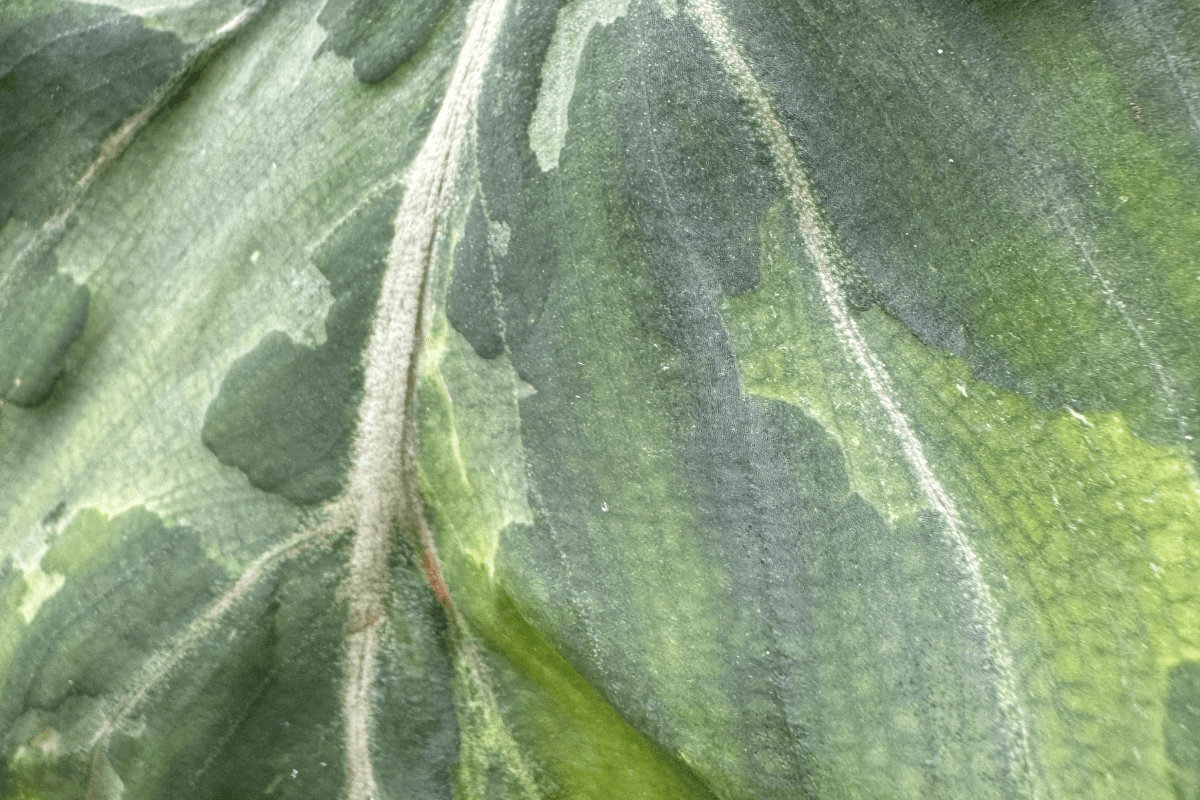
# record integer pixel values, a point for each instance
(659, 398)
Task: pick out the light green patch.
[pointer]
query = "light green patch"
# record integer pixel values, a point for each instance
(548, 127)
(482, 432)
(788, 350)
(184, 281)
(87, 539)
(1087, 533)
(1124, 119)
(40, 587)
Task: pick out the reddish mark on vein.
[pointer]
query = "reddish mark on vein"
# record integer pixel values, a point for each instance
(433, 573)
(357, 629)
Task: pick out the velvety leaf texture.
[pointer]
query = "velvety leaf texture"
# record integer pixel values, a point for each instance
(600, 399)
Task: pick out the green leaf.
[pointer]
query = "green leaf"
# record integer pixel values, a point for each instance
(599, 399)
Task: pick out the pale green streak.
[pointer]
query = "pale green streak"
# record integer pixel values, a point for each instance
(548, 128)
(788, 350)
(472, 474)
(482, 430)
(1088, 534)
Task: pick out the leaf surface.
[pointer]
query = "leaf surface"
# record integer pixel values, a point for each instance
(647, 398)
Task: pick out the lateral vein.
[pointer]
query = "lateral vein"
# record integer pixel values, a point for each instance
(159, 666)
(117, 142)
(824, 251)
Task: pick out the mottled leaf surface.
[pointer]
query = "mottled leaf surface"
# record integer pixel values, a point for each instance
(804, 403)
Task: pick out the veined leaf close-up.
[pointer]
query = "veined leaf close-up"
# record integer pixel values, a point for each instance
(595, 399)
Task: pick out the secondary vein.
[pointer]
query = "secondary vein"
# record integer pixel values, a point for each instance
(823, 250)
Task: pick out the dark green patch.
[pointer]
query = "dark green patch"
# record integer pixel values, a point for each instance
(247, 701)
(698, 180)
(68, 77)
(1181, 728)
(268, 422)
(967, 210)
(132, 584)
(380, 35)
(54, 515)
(42, 312)
(260, 714)
(471, 302)
(286, 413)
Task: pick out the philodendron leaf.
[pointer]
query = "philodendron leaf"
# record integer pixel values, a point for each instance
(599, 399)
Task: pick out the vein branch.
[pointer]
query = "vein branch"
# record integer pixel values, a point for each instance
(117, 142)
(381, 492)
(823, 250)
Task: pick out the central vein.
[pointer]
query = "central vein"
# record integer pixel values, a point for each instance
(381, 494)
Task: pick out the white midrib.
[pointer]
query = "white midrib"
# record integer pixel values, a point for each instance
(825, 253)
(380, 493)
